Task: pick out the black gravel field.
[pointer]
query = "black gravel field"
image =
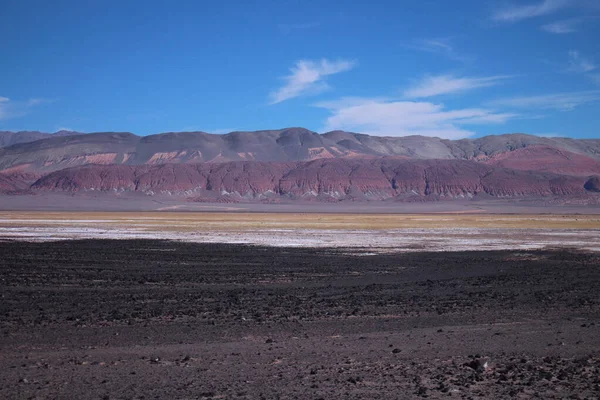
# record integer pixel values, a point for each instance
(143, 319)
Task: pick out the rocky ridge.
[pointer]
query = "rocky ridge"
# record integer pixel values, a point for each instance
(323, 179)
(519, 151)
(298, 164)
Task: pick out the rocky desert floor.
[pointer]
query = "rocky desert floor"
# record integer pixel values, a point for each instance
(299, 306)
(156, 319)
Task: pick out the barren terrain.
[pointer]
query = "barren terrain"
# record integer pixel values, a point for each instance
(294, 165)
(360, 232)
(146, 319)
(291, 305)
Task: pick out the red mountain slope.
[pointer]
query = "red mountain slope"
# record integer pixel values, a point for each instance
(16, 182)
(547, 159)
(322, 179)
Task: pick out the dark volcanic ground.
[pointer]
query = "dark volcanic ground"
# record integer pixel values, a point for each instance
(149, 319)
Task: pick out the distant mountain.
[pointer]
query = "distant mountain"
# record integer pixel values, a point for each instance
(324, 179)
(54, 152)
(298, 164)
(548, 159)
(16, 183)
(8, 138)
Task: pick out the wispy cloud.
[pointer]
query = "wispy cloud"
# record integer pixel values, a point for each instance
(580, 64)
(4, 108)
(556, 101)
(440, 46)
(445, 84)
(564, 26)
(15, 108)
(404, 118)
(37, 101)
(308, 77)
(517, 13)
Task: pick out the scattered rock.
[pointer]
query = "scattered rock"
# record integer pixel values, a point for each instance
(478, 364)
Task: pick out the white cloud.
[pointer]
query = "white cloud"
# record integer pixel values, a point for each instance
(404, 118)
(346, 102)
(521, 12)
(441, 46)
(444, 84)
(13, 109)
(7, 109)
(557, 101)
(308, 77)
(436, 45)
(562, 27)
(580, 64)
(36, 101)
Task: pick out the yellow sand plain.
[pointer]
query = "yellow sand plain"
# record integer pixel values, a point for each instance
(197, 221)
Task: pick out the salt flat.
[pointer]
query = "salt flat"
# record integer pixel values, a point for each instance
(379, 233)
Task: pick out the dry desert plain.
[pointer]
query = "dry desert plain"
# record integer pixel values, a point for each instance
(127, 305)
(372, 232)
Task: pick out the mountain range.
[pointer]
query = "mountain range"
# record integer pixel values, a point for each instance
(298, 164)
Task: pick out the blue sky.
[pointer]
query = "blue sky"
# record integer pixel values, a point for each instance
(451, 69)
